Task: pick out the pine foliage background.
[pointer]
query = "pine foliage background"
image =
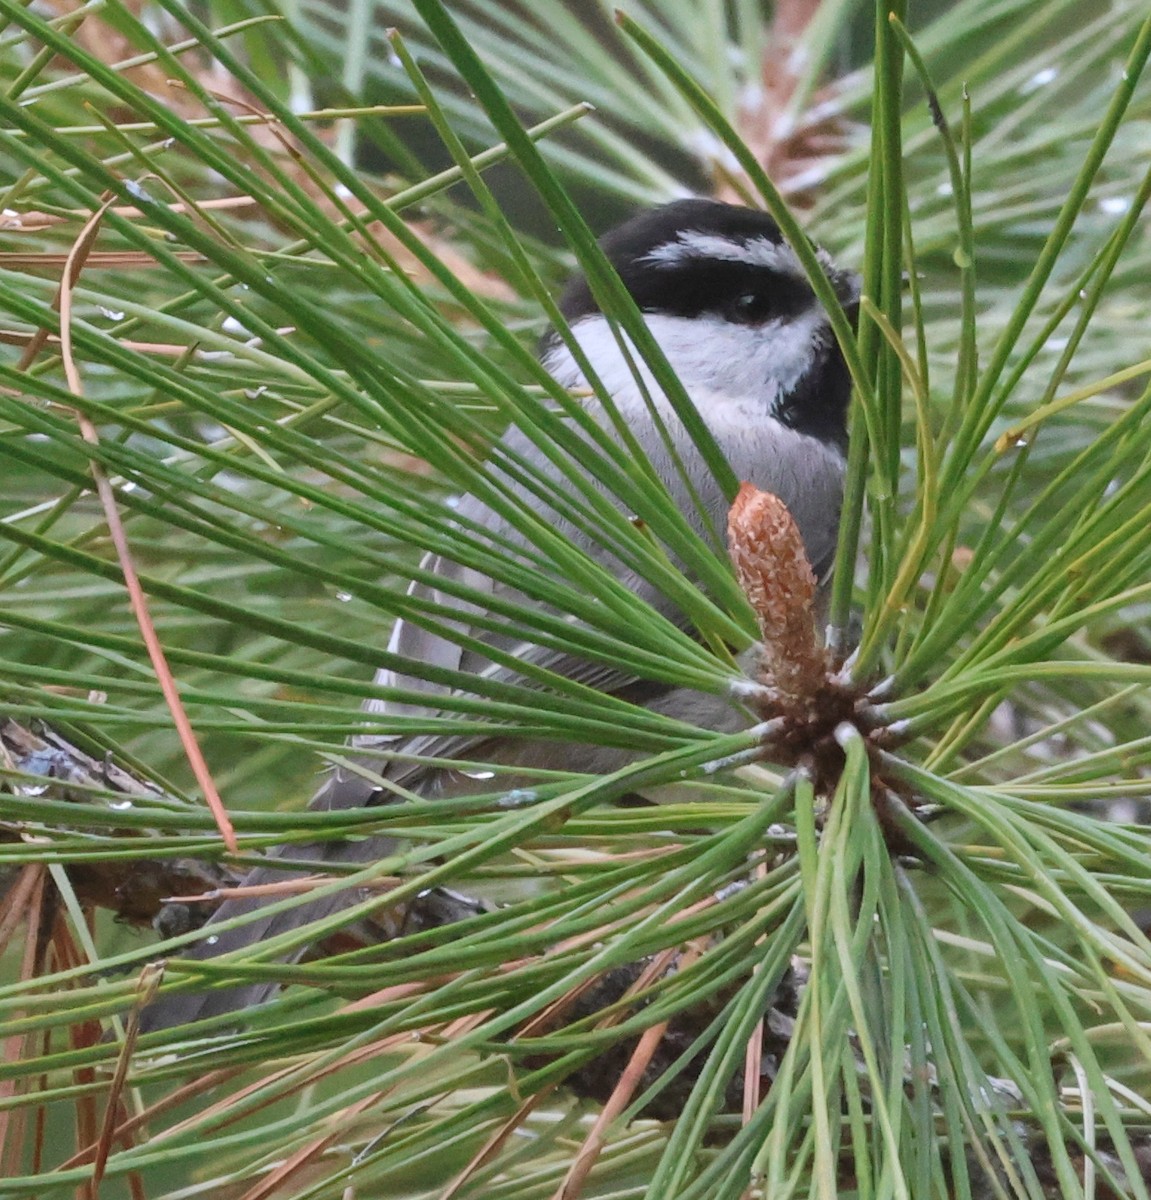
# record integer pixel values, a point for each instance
(275, 271)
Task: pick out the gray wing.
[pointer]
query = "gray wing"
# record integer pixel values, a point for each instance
(804, 473)
(434, 649)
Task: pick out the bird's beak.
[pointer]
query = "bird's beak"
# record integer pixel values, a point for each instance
(848, 289)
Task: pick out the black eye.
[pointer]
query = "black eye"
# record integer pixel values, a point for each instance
(750, 308)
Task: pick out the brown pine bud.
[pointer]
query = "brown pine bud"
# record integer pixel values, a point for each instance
(774, 572)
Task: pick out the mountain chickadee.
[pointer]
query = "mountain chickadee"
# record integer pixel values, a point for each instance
(728, 303)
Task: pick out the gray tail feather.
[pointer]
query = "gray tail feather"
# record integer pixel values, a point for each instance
(181, 1009)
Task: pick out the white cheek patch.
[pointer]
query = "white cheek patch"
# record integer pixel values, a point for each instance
(754, 366)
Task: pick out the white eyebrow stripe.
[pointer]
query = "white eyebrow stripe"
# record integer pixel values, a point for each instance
(755, 252)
